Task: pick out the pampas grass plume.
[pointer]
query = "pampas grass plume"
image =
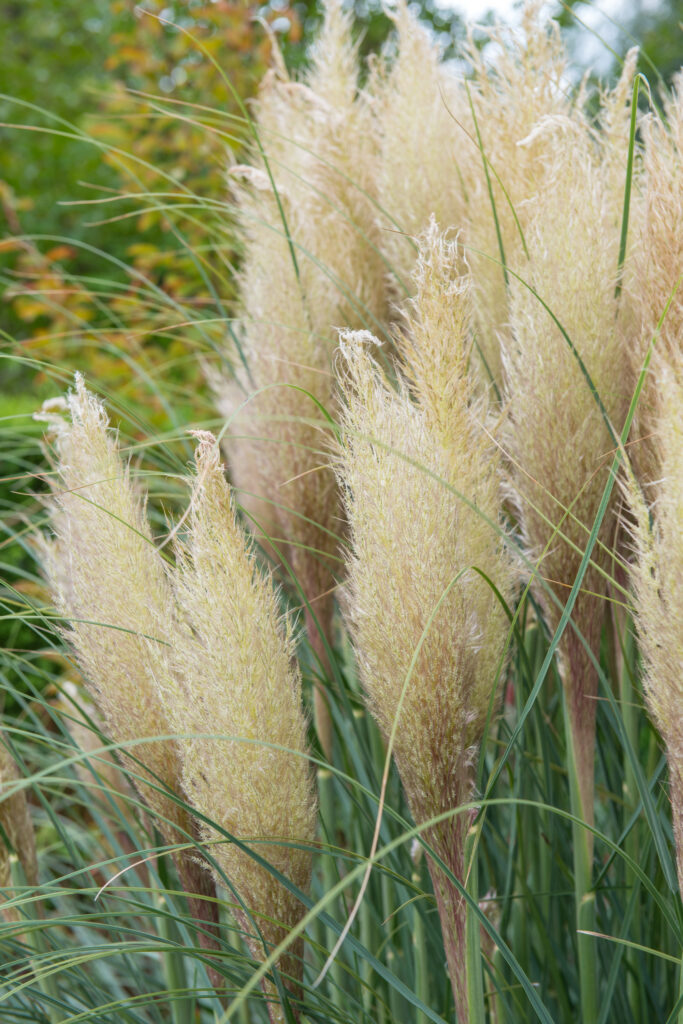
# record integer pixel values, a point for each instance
(311, 261)
(405, 459)
(657, 578)
(109, 582)
(235, 677)
(556, 435)
(657, 270)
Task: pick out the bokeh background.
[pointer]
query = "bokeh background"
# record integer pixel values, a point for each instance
(91, 68)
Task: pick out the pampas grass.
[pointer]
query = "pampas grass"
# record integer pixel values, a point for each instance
(233, 673)
(311, 263)
(457, 283)
(423, 504)
(171, 670)
(657, 576)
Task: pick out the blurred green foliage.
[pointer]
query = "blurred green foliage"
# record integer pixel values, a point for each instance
(661, 34)
(53, 56)
(656, 28)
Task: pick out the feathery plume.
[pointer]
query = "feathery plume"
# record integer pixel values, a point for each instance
(657, 578)
(108, 581)
(445, 142)
(311, 261)
(512, 99)
(427, 628)
(657, 268)
(234, 674)
(417, 105)
(558, 440)
(613, 141)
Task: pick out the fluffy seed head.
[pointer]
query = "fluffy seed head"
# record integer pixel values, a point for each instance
(556, 433)
(404, 462)
(512, 98)
(559, 444)
(416, 104)
(657, 577)
(320, 149)
(432, 160)
(420, 480)
(108, 581)
(657, 269)
(235, 677)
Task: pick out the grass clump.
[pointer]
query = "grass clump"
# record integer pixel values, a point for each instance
(421, 593)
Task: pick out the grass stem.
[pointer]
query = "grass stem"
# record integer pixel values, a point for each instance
(182, 1004)
(475, 975)
(583, 893)
(421, 959)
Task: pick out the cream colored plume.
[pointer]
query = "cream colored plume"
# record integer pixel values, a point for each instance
(515, 99)
(417, 105)
(311, 263)
(431, 154)
(657, 271)
(420, 478)
(559, 443)
(236, 684)
(16, 828)
(108, 581)
(657, 578)
(613, 142)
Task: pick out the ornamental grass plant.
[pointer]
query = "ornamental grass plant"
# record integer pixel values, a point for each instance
(354, 694)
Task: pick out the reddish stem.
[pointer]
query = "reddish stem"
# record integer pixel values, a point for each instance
(200, 890)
